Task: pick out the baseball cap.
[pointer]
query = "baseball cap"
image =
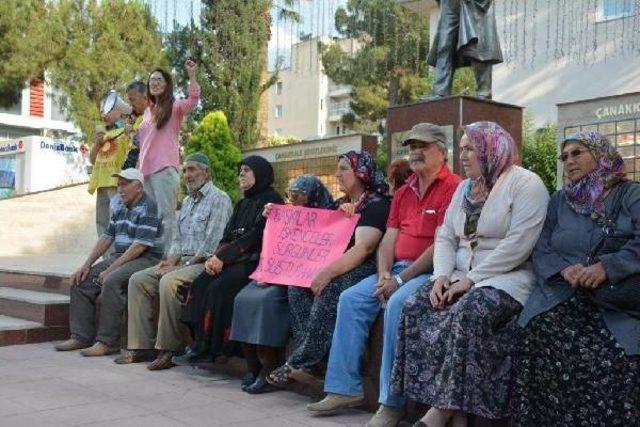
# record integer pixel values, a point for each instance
(426, 132)
(130, 174)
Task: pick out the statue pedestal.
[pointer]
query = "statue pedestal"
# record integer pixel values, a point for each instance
(451, 113)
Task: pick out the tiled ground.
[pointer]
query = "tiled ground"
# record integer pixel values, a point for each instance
(41, 387)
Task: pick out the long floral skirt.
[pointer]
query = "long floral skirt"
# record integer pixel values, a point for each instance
(314, 318)
(573, 373)
(460, 357)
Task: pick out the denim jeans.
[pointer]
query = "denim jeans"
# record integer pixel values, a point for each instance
(357, 310)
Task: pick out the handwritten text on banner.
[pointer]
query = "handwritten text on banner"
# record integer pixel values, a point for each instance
(299, 242)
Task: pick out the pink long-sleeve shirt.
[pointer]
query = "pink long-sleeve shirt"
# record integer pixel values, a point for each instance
(159, 148)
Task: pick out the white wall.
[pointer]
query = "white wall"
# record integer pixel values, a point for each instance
(43, 164)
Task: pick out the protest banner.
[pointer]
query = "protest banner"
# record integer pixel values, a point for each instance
(299, 242)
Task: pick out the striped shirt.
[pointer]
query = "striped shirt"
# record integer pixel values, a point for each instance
(201, 222)
(141, 224)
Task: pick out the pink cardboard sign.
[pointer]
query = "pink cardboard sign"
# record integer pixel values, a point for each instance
(299, 242)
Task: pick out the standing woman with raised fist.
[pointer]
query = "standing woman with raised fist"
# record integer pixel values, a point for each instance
(159, 147)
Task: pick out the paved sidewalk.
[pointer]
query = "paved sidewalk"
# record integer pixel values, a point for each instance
(41, 387)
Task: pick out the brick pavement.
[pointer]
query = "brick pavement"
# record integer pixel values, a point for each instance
(41, 387)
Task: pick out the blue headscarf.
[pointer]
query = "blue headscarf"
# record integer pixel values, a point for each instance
(317, 194)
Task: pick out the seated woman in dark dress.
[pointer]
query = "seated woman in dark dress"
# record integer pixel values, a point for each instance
(580, 364)
(209, 307)
(261, 311)
(313, 311)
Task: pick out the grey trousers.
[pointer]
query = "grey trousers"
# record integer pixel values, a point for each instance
(113, 301)
(144, 287)
(163, 187)
(103, 213)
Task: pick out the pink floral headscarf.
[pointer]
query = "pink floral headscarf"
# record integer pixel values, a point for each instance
(496, 151)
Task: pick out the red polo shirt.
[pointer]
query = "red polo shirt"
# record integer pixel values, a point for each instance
(417, 218)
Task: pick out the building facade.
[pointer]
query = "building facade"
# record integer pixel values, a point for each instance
(37, 112)
(304, 102)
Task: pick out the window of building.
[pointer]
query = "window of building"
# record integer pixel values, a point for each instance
(321, 104)
(279, 111)
(57, 110)
(625, 134)
(337, 130)
(279, 88)
(16, 108)
(613, 9)
(278, 132)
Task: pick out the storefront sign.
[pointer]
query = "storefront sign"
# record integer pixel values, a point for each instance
(610, 111)
(299, 242)
(58, 146)
(11, 147)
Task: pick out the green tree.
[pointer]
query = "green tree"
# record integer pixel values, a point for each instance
(23, 47)
(540, 152)
(100, 45)
(390, 67)
(212, 136)
(231, 47)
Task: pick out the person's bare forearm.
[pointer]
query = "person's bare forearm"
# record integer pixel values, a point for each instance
(423, 264)
(386, 253)
(98, 250)
(93, 154)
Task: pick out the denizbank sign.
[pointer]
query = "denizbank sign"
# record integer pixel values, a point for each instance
(617, 110)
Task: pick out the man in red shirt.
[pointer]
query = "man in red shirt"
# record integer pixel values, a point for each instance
(405, 256)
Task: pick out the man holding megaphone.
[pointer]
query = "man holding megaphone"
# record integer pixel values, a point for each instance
(108, 153)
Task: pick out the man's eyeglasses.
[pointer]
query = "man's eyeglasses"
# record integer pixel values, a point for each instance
(573, 154)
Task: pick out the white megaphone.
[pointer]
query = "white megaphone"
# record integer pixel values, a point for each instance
(112, 101)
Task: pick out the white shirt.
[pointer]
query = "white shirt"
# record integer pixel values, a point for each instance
(508, 228)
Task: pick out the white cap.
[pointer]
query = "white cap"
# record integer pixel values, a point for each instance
(131, 174)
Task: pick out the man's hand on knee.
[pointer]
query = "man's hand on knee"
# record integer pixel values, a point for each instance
(80, 275)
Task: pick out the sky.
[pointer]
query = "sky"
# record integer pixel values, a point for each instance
(317, 19)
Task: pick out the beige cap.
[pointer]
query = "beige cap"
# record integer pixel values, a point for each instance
(130, 174)
(426, 132)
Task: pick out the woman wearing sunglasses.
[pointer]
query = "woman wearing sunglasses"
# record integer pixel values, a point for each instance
(580, 364)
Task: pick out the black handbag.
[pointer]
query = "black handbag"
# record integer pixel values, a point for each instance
(624, 295)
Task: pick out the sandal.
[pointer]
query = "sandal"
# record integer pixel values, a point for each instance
(163, 361)
(281, 376)
(305, 376)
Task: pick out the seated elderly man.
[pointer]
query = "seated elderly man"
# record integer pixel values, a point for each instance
(405, 255)
(203, 217)
(135, 229)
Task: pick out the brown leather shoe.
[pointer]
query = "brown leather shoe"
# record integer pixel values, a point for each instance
(71, 344)
(163, 361)
(99, 349)
(135, 356)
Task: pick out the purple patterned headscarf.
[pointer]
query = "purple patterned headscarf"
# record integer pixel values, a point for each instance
(586, 195)
(496, 151)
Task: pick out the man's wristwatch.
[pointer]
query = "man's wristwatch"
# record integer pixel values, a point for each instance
(398, 279)
(187, 263)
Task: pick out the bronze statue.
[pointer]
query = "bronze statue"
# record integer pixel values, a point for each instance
(466, 36)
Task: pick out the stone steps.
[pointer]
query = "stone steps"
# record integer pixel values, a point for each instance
(33, 307)
(45, 308)
(15, 330)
